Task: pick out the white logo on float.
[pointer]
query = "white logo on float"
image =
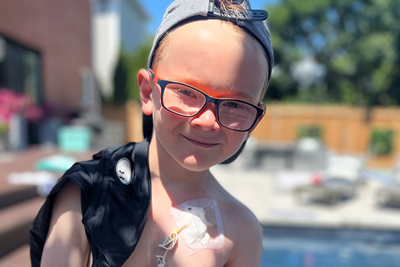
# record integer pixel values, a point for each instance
(124, 171)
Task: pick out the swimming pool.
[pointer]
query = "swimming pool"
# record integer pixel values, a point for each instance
(303, 247)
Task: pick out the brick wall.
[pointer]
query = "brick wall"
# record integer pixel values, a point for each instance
(60, 30)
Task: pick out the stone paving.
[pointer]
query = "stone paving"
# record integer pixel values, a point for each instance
(261, 191)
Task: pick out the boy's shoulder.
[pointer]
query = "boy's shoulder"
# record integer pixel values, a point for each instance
(101, 185)
(236, 214)
(240, 214)
(243, 229)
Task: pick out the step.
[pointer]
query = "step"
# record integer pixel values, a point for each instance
(14, 194)
(22, 162)
(15, 222)
(19, 257)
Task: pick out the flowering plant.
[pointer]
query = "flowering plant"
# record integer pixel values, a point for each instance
(12, 103)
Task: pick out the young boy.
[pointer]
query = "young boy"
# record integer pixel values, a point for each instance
(156, 203)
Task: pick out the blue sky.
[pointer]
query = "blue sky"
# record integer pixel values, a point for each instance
(156, 9)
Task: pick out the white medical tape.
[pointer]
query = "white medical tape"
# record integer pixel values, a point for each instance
(202, 222)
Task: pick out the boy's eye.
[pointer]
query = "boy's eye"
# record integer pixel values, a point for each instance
(186, 92)
(234, 105)
(182, 91)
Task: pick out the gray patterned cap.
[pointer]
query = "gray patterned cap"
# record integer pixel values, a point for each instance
(181, 11)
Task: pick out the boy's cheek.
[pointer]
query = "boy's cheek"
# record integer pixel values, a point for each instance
(164, 118)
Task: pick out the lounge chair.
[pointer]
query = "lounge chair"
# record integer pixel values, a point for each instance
(339, 181)
(389, 193)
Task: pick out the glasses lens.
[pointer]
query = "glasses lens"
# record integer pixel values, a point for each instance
(237, 115)
(182, 99)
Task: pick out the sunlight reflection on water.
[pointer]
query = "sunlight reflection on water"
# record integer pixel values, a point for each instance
(314, 248)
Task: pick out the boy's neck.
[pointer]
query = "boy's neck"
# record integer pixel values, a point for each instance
(172, 175)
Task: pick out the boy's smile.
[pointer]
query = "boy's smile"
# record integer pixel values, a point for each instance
(220, 60)
(200, 143)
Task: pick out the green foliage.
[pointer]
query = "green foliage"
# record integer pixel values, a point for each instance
(382, 142)
(3, 127)
(313, 131)
(125, 76)
(357, 41)
(121, 77)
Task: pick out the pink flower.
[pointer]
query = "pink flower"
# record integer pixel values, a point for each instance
(17, 103)
(5, 115)
(34, 113)
(6, 95)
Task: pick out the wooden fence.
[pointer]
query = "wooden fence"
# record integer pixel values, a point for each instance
(344, 129)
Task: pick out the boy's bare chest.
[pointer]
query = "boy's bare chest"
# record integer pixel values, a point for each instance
(162, 225)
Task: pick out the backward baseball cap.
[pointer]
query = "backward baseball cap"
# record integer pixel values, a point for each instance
(252, 21)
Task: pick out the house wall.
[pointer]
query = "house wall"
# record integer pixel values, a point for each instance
(61, 31)
(133, 31)
(106, 42)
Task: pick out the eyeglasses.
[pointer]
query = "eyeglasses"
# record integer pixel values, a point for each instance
(188, 101)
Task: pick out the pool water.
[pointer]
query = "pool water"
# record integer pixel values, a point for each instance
(296, 247)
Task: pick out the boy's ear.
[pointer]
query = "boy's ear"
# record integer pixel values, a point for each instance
(144, 80)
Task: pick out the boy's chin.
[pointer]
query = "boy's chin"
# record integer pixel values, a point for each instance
(194, 164)
(198, 163)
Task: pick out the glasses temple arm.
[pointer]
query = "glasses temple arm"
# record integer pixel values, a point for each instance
(153, 75)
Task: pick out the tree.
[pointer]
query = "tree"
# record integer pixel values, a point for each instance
(128, 66)
(138, 61)
(121, 77)
(356, 42)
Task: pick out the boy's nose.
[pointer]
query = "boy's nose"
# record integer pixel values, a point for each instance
(207, 118)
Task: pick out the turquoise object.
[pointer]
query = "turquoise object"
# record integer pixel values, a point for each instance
(57, 163)
(74, 138)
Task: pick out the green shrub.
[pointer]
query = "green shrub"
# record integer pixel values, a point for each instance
(313, 131)
(382, 142)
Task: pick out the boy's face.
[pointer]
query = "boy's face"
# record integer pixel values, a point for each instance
(222, 61)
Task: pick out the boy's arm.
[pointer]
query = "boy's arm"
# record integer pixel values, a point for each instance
(66, 243)
(249, 247)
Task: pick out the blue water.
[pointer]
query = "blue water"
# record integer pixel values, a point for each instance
(290, 247)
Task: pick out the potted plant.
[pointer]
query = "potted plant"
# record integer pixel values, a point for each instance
(15, 110)
(3, 136)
